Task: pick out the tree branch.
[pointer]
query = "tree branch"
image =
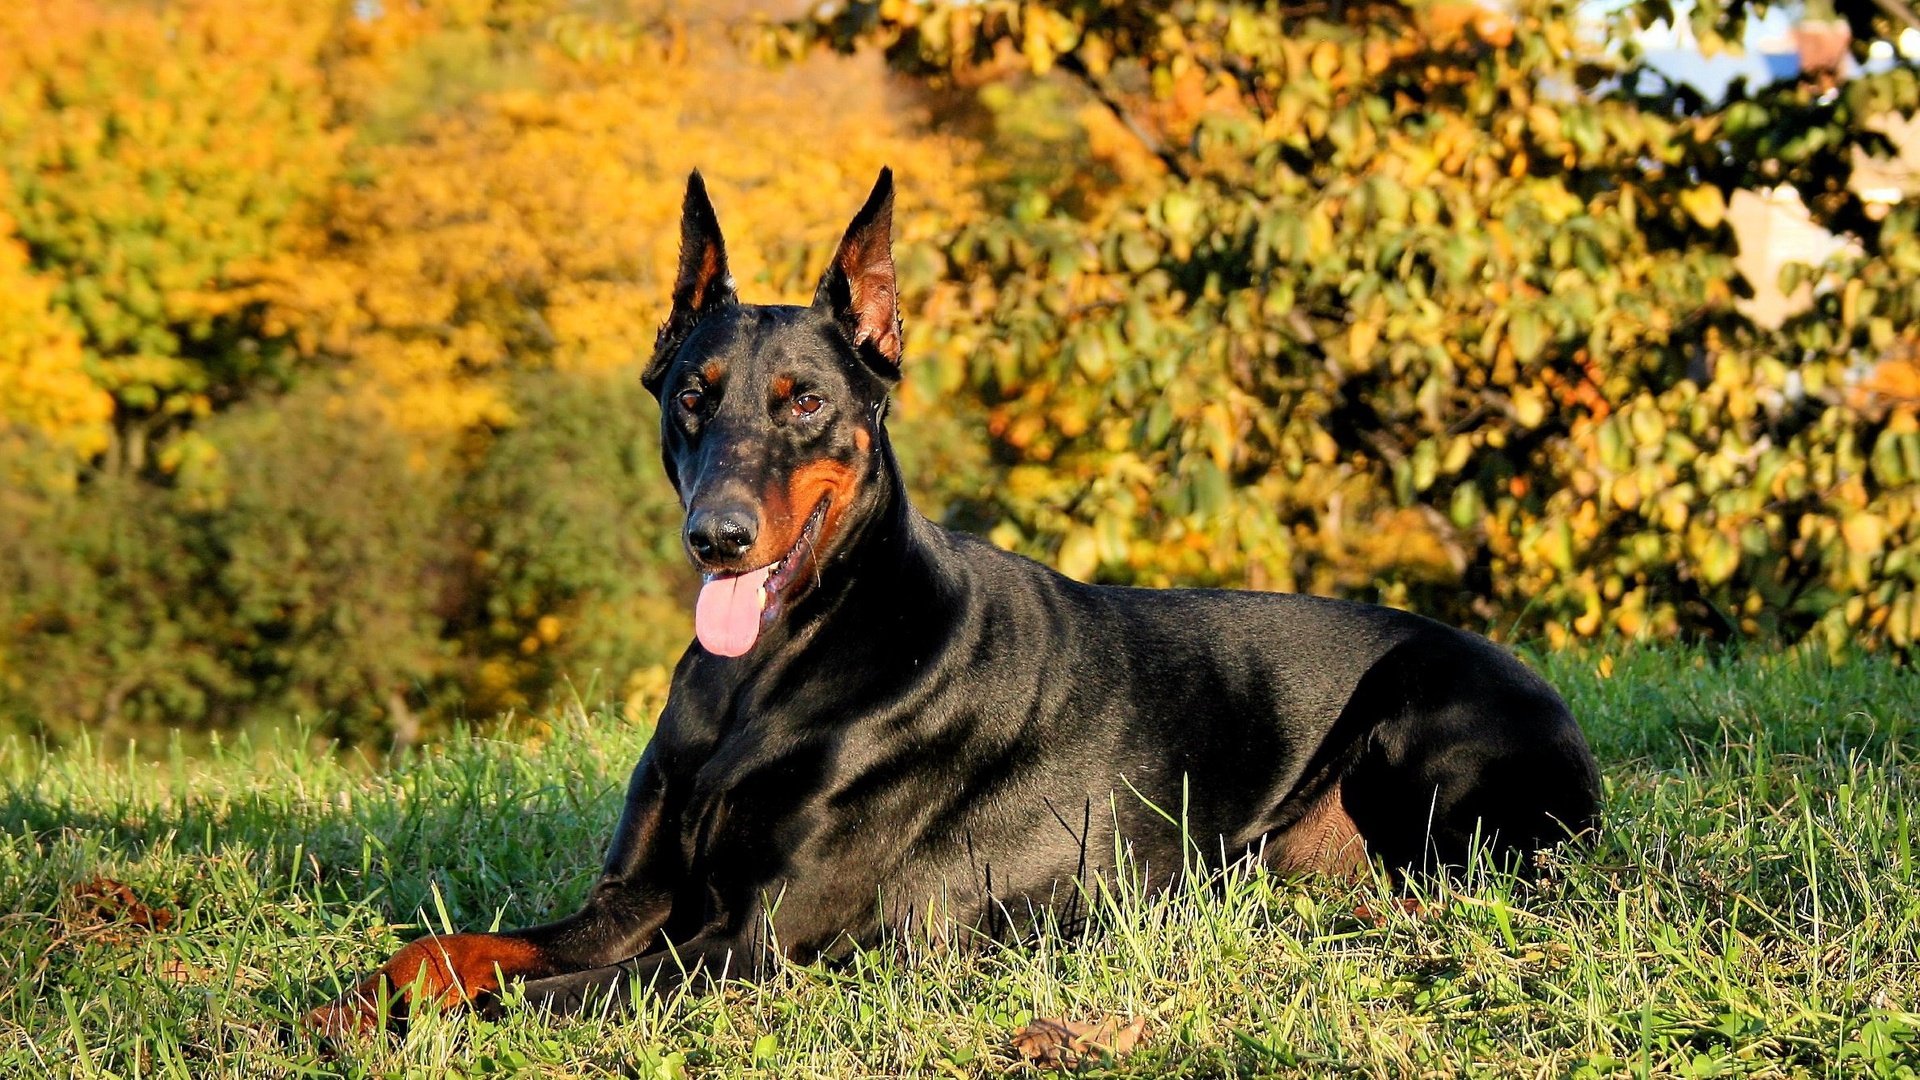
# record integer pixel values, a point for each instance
(1899, 11)
(1070, 63)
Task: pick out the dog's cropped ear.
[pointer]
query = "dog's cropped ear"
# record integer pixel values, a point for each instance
(858, 289)
(703, 285)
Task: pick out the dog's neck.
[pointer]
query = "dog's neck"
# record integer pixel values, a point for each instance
(884, 549)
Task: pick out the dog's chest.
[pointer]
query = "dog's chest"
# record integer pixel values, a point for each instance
(748, 797)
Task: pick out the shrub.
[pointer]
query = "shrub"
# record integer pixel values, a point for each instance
(573, 578)
(330, 556)
(154, 155)
(100, 628)
(1426, 304)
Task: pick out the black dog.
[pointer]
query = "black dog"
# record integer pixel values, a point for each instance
(886, 725)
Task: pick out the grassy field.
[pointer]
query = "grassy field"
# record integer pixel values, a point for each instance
(1752, 910)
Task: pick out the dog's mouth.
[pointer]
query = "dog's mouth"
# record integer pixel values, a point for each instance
(734, 607)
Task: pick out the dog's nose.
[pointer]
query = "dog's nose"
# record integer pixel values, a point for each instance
(722, 534)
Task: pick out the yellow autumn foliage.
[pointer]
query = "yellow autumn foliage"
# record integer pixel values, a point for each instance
(153, 151)
(346, 303)
(44, 386)
(536, 227)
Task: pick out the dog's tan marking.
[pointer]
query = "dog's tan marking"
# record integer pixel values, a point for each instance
(1324, 841)
(448, 971)
(709, 269)
(818, 479)
(787, 510)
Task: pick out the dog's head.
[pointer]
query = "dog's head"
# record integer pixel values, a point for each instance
(770, 416)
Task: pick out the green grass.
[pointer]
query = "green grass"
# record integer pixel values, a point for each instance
(1751, 910)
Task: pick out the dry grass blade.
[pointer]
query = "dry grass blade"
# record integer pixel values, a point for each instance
(181, 973)
(1405, 905)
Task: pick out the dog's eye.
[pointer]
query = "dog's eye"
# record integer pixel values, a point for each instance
(807, 404)
(690, 399)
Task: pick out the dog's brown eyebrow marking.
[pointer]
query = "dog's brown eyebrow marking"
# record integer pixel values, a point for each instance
(712, 371)
(783, 386)
(862, 438)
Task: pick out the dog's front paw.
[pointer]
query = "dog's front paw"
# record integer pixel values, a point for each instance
(351, 1016)
(444, 971)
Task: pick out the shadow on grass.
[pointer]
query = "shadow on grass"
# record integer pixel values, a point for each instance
(473, 815)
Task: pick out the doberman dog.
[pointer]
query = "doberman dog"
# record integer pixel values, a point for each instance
(885, 726)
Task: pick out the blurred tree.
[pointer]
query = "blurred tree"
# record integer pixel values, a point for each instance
(575, 543)
(154, 152)
(531, 227)
(368, 284)
(44, 387)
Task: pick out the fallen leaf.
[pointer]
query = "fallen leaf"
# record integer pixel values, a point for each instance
(180, 972)
(104, 903)
(1406, 905)
(1064, 1044)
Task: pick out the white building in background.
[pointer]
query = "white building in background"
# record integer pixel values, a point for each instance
(1773, 227)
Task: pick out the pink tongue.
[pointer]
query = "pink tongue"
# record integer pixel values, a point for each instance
(726, 618)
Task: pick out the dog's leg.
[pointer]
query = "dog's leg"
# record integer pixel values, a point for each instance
(626, 909)
(1465, 756)
(697, 963)
(1324, 841)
